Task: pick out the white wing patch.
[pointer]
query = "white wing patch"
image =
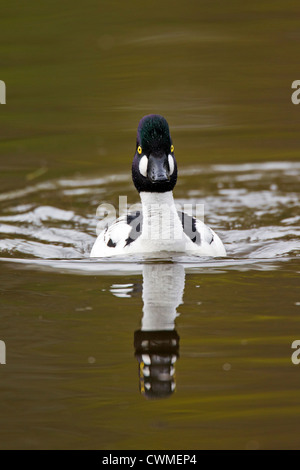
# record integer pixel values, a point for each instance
(117, 233)
(206, 233)
(211, 242)
(204, 240)
(118, 236)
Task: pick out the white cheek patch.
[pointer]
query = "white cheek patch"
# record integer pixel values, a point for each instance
(143, 165)
(171, 163)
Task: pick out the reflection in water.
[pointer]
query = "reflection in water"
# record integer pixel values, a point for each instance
(157, 352)
(157, 342)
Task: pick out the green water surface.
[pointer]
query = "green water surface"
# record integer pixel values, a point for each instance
(79, 77)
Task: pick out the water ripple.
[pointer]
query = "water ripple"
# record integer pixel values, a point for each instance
(254, 208)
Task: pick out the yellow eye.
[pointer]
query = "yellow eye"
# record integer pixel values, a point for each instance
(172, 148)
(139, 149)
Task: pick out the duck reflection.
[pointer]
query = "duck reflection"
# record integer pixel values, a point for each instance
(157, 342)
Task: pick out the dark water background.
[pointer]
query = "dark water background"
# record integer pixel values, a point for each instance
(79, 77)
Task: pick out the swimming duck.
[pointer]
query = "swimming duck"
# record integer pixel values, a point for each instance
(159, 226)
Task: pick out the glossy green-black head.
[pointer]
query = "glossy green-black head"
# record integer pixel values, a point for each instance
(154, 167)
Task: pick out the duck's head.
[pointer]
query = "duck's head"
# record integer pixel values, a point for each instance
(154, 167)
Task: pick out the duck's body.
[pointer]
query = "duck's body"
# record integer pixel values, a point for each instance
(159, 226)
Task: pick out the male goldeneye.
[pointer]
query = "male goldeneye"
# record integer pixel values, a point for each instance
(159, 226)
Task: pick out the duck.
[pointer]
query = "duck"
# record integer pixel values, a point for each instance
(159, 227)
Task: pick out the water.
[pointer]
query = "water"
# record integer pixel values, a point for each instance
(90, 342)
(136, 353)
(254, 207)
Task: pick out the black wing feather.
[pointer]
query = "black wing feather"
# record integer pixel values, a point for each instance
(189, 227)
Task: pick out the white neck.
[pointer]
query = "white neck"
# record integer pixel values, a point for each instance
(160, 218)
(157, 198)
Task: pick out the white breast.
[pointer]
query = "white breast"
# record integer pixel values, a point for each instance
(159, 228)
